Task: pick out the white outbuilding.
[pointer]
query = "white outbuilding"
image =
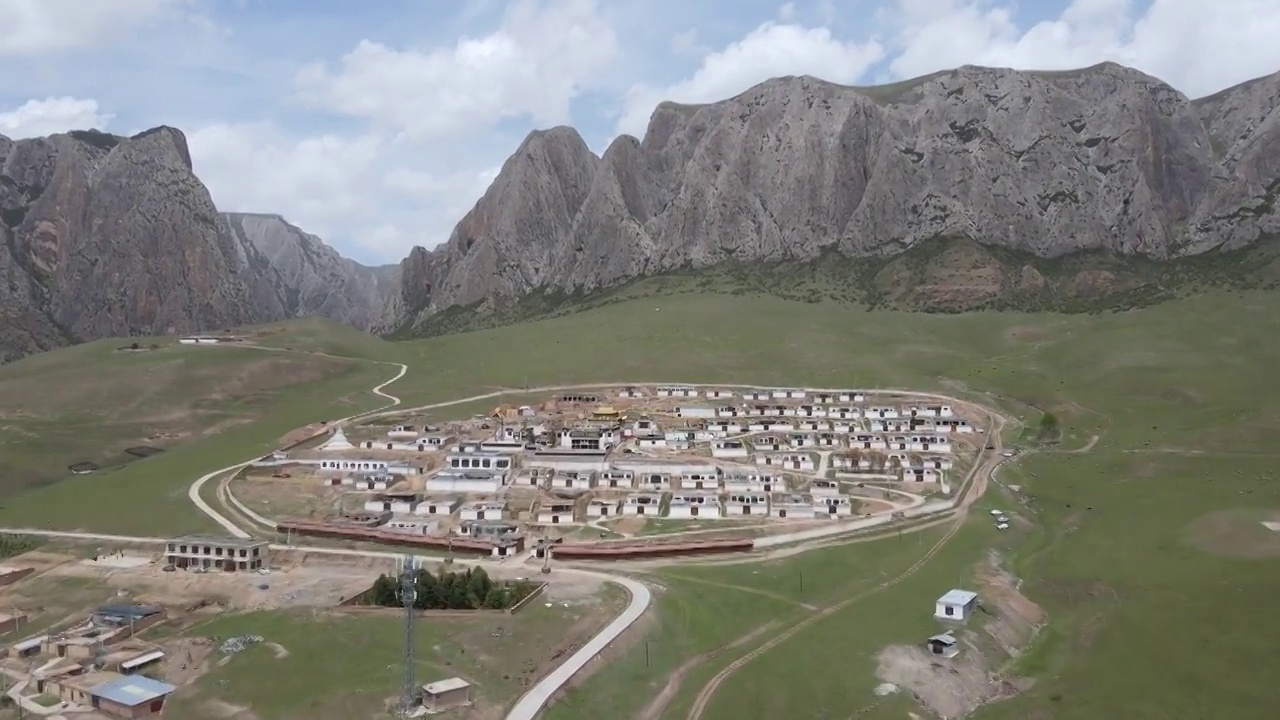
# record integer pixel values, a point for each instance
(956, 605)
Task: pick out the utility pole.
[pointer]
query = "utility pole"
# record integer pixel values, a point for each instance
(408, 597)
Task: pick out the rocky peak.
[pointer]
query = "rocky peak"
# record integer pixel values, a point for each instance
(162, 142)
(1101, 159)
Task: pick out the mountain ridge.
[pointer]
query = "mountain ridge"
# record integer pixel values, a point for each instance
(103, 235)
(1056, 163)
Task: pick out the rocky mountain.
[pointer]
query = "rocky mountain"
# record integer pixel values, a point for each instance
(104, 236)
(308, 276)
(1021, 169)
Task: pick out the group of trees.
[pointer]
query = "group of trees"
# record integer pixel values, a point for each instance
(470, 589)
(13, 545)
(1050, 428)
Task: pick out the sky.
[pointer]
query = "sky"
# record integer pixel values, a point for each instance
(378, 124)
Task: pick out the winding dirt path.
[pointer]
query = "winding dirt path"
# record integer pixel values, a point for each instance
(657, 706)
(743, 588)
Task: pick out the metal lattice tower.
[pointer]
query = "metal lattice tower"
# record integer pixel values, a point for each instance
(409, 568)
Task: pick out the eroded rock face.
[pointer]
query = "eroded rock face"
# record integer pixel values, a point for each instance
(1105, 158)
(307, 276)
(104, 236)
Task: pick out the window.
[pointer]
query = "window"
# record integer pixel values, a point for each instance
(949, 611)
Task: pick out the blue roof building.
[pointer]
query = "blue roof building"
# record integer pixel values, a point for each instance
(133, 696)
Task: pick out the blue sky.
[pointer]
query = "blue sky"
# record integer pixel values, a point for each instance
(377, 125)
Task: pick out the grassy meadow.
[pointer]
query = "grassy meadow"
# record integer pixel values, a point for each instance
(207, 407)
(326, 666)
(1146, 551)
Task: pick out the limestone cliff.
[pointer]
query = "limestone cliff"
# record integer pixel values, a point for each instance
(102, 235)
(1103, 160)
(307, 276)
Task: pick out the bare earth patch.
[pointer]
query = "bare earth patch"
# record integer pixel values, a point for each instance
(228, 711)
(949, 688)
(1236, 533)
(954, 687)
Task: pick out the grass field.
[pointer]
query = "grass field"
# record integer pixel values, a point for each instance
(208, 407)
(1151, 561)
(340, 667)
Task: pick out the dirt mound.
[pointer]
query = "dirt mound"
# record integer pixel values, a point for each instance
(1238, 533)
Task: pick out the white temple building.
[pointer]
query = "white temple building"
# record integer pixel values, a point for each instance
(338, 442)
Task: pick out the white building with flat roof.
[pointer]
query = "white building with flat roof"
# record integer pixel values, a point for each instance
(464, 483)
(956, 605)
(436, 506)
(800, 462)
(483, 510)
(705, 479)
(478, 460)
(792, 506)
(685, 505)
(601, 508)
(750, 482)
(555, 512)
(574, 480)
(739, 504)
(614, 479)
(729, 449)
(832, 506)
(356, 465)
(645, 504)
(215, 552)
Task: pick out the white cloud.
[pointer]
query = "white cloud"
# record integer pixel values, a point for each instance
(36, 118)
(423, 123)
(36, 26)
(1198, 48)
(541, 57)
(770, 50)
(360, 188)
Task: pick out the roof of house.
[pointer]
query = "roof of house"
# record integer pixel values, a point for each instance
(444, 686)
(944, 638)
(130, 611)
(958, 597)
(132, 690)
(142, 660)
(218, 540)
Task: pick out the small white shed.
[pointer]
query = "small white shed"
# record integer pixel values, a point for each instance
(956, 605)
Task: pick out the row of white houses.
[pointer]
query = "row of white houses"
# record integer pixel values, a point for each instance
(885, 412)
(710, 505)
(700, 477)
(717, 429)
(680, 505)
(685, 391)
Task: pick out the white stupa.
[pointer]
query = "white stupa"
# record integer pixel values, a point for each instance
(338, 442)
